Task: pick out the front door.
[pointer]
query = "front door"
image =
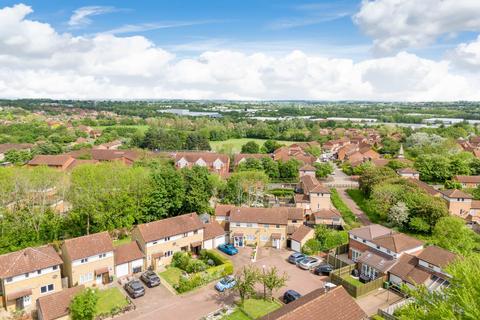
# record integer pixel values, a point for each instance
(238, 241)
(276, 243)
(23, 302)
(105, 278)
(98, 279)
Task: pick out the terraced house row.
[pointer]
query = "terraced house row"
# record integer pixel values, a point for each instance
(29, 275)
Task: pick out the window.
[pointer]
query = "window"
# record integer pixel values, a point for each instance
(249, 225)
(237, 224)
(431, 266)
(46, 289)
(155, 242)
(84, 260)
(364, 241)
(294, 221)
(39, 271)
(103, 255)
(378, 247)
(195, 232)
(185, 234)
(263, 238)
(265, 225)
(85, 277)
(354, 237)
(169, 253)
(55, 267)
(388, 251)
(277, 226)
(9, 279)
(27, 275)
(137, 269)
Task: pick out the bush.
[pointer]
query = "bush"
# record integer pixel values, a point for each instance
(181, 260)
(312, 246)
(213, 255)
(195, 265)
(187, 284)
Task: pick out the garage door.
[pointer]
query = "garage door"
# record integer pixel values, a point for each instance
(296, 246)
(219, 240)
(121, 270)
(207, 244)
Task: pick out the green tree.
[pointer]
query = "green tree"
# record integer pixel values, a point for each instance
(250, 164)
(452, 234)
(372, 176)
(198, 190)
(246, 280)
(271, 145)
(288, 170)
(271, 281)
(251, 147)
(83, 305)
(270, 167)
(451, 184)
(196, 141)
(323, 169)
(245, 187)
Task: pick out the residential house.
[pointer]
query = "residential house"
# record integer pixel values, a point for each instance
(56, 306)
(214, 162)
(425, 187)
(312, 196)
(307, 170)
(293, 152)
(5, 147)
(88, 260)
(160, 239)
(320, 304)
(113, 145)
(27, 275)
(213, 234)
(468, 181)
(459, 203)
(376, 248)
(266, 227)
(127, 157)
(301, 235)
(409, 173)
(328, 217)
(61, 162)
(129, 259)
(222, 215)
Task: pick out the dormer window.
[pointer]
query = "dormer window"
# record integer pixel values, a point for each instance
(378, 247)
(84, 260)
(9, 279)
(185, 234)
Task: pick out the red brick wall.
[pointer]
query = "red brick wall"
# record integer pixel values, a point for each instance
(359, 246)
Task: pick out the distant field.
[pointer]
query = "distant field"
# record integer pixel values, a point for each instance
(142, 128)
(235, 145)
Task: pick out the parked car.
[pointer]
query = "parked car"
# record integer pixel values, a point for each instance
(228, 249)
(150, 278)
(309, 263)
(135, 289)
(291, 295)
(226, 283)
(296, 257)
(323, 269)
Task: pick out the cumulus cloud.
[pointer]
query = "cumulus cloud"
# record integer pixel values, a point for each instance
(80, 16)
(37, 61)
(467, 55)
(395, 25)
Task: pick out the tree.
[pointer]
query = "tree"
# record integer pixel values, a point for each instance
(270, 167)
(196, 141)
(272, 281)
(451, 184)
(373, 176)
(83, 305)
(289, 170)
(245, 187)
(271, 145)
(433, 167)
(250, 164)
(452, 234)
(398, 214)
(198, 190)
(251, 147)
(458, 301)
(389, 146)
(323, 169)
(246, 279)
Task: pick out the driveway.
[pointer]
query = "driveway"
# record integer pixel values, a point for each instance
(159, 302)
(362, 217)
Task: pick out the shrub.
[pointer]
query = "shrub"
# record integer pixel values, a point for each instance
(195, 265)
(187, 284)
(213, 255)
(312, 246)
(181, 260)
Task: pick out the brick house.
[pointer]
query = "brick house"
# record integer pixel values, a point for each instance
(214, 162)
(27, 275)
(307, 170)
(56, 306)
(468, 181)
(313, 196)
(409, 173)
(459, 203)
(159, 240)
(129, 259)
(88, 260)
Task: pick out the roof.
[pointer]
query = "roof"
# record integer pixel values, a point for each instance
(56, 305)
(212, 230)
(301, 198)
(370, 232)
(208, 157)
(437, 256)
(277, 215)
(50, 160)
(160, 229)
(468, 179)
(327, 214)
(89, 245)
(311, 184)
(223, 209)
(380, 262)
(318, 305)
(308, 167)
(455, 193)
(28, 260)
(301, 233)
(397, 242)
(108, 155)
(408, 270)
(127, 252)
(4, 147)
(426, 187)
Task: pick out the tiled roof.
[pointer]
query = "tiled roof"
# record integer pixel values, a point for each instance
(311, 184)
(278, 215)
(301, 233)
(319, 305)
(127, 252)
(212, 230)
(223, 210)
(208, 157)
(397, 242)
(89, 245)
(308, 167)
(408, 270)
(160, 229)
(56, 305)
(426, 187)
(28, 260)
(4, 147)
(468, 179)
(455, 193)
(437, 256)
(50, 160)
(327, 214)
(108, 155)
(371, 231)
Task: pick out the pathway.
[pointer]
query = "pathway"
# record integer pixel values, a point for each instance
(362, 217)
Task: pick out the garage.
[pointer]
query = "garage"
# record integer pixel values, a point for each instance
(219, 240)
(137, 266)
(213, 235)
(208, 244)
(121, 270)
(296, 246)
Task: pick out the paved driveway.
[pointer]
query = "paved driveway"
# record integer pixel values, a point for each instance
(160, 303)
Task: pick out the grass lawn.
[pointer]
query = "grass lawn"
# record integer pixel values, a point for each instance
(364, 204)
(119, 242)
(237, 315)
(171, 275)
(347, 214)
(257, 308)
(351, 280)
(110, 299)
(141, 127)
(235, 145)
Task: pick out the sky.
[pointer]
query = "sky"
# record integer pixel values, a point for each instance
(382, 50)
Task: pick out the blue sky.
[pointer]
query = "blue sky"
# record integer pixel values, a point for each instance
(242, 49)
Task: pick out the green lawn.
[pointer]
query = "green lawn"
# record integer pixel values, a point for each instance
(119, 242)
(110, 299)
(351, 280)
(237, 315)
(347, 214)
(257, 308)
(363, 203)
(235, 145)
(171, 275)
(141, 127)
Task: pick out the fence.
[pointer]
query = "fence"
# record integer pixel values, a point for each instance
(355, 290)
(388, 312)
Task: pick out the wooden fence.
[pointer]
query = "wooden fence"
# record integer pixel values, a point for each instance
(337, 277)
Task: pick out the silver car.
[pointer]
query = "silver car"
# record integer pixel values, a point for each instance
(309, 263)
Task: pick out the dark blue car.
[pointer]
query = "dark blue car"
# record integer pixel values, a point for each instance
(291, 295)
(228, 249)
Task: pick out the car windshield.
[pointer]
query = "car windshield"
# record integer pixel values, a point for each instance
(226, 280)
(135, 285)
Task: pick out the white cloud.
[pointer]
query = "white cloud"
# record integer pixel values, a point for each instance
(80, 16)
(395, 25)
(467, 55)
(37, 61)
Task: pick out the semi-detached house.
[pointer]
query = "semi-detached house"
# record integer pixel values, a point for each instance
(27, 275)
(89, 259)
(159, 240)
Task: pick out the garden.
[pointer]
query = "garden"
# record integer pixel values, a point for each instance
(187, 273)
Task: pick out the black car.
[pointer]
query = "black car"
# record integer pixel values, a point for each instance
(323, 269)
(135, 289)
(150, 278)
(291, 295)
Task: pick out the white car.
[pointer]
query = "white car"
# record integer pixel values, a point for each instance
(309, 263)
